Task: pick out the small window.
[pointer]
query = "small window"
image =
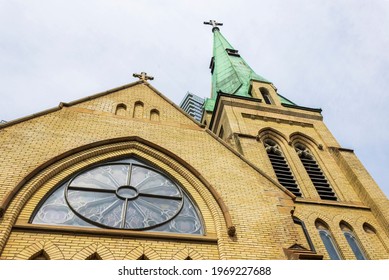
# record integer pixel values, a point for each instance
(138, 110)
(265, 95)
(328, 241)
(154, 115)
(121, 110)
(212, 65)
(369, 229)
(352, 241)
(233, 52)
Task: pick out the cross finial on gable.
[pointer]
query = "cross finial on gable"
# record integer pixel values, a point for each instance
(143, 76)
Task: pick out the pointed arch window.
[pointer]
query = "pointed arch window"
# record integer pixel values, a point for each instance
(315, 173)
(125, 194)
(281, 167)
(352, 241)
(328, 241)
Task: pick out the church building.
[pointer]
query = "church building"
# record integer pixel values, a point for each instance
(126, 174)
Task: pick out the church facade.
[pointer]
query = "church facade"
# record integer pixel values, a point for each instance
(127, 174)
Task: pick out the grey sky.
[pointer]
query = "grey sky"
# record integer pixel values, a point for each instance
(324, 54)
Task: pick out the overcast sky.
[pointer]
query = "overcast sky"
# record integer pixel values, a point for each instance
(332, 55)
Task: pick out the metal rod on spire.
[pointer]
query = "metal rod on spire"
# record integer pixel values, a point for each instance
(214, 24)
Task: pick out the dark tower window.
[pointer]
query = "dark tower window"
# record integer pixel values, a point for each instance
(265, 95)
(315, 173)
(281, 167)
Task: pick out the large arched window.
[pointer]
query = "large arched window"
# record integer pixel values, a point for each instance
(328, 241)
(125, 194)
(281, 167)
(315, 173)
(352, 241)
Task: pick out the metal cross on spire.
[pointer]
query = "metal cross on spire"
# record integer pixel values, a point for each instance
(143, 76)
(214, 24)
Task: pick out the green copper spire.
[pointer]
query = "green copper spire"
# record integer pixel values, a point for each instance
(230, 72)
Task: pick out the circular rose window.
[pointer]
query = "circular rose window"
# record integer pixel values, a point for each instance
(125, 194)
(128, 196)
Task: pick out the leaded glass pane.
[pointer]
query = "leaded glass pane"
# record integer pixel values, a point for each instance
(104, 177)
(329, 244)
(354, 246)
(55, 211)
(187, 221)
(101, 208)
(124, 195)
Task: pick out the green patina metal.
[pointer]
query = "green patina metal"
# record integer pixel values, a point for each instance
(285, 100)
(231, 74)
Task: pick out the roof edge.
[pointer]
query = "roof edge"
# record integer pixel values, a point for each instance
(91, 97)
(316, 110)
(65, 104)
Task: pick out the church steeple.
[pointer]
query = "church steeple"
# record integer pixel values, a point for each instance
(230, 72)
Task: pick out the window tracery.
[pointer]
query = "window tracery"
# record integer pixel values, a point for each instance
(125, 194)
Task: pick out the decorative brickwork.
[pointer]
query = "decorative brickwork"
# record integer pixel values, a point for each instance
(246, 213)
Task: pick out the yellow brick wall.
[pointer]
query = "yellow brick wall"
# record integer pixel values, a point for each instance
(229, 188)
(359, 199)
(49, 147)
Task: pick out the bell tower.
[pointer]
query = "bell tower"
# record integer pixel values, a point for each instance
(289, 142)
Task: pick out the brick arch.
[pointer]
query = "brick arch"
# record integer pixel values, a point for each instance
(271, 133)
(379, 233)
(304, 139)
(142, 252)
(350, 221)
(188, 254)
(47, 248)
(314, 216)
(95, 250)
(84, 156)
(332, 226)
(26, 196)
(362, 220)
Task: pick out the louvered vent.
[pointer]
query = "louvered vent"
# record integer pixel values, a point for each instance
(281, 167)
(317, 177)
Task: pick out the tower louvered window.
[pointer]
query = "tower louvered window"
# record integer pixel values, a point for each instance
(281, 167)
(315, 173)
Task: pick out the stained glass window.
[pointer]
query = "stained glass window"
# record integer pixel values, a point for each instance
(353, 242)
(125, 194)
(328, 241)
